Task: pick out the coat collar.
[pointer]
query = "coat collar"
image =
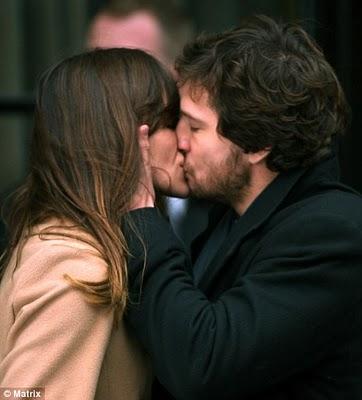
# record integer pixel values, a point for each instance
(292, 185)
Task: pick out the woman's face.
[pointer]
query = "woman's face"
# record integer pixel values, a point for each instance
(167, 163)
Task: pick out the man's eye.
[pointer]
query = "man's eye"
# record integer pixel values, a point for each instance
(194, 129)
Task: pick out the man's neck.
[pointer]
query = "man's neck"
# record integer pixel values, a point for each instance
(261, 177)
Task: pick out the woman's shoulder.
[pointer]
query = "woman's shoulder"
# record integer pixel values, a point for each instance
(57, 248)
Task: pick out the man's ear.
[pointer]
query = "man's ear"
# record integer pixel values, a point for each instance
(258, 157)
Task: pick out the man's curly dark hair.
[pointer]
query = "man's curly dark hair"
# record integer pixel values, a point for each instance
(271, 87)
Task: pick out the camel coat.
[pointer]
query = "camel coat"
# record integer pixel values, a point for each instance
(51, 337)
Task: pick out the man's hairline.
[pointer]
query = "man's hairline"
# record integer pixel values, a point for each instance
(197, 87)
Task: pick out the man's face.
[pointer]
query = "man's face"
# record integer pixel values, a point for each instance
(138, 30)
(214, 166)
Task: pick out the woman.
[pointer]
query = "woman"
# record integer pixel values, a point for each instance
(64, 284)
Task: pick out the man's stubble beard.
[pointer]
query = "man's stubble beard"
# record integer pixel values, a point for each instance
(228, 182)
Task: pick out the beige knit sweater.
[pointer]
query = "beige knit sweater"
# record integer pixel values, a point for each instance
(51, 337)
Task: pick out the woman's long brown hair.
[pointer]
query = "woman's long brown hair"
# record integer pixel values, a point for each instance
(85, 160)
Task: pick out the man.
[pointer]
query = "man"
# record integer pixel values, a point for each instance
(270, 308)
(157, 26)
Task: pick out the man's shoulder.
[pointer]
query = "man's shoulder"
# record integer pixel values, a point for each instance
(334, 203)
(329, 216)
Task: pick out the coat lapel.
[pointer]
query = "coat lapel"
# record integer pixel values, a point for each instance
(259, 212)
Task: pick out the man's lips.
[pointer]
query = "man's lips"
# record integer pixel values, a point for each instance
(187, 174)
(187, 169)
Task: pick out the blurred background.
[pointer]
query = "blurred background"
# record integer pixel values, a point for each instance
(37, 33)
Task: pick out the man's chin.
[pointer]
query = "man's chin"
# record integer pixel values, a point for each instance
(198, 193)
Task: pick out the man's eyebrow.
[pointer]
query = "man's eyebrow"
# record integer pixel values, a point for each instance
(186, 114)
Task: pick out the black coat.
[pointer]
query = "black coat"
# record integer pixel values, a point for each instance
(278, 314)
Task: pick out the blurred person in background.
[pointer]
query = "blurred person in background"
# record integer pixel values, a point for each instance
(63, 290)
(159, 27)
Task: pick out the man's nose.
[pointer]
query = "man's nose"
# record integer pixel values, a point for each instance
(183, 139)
